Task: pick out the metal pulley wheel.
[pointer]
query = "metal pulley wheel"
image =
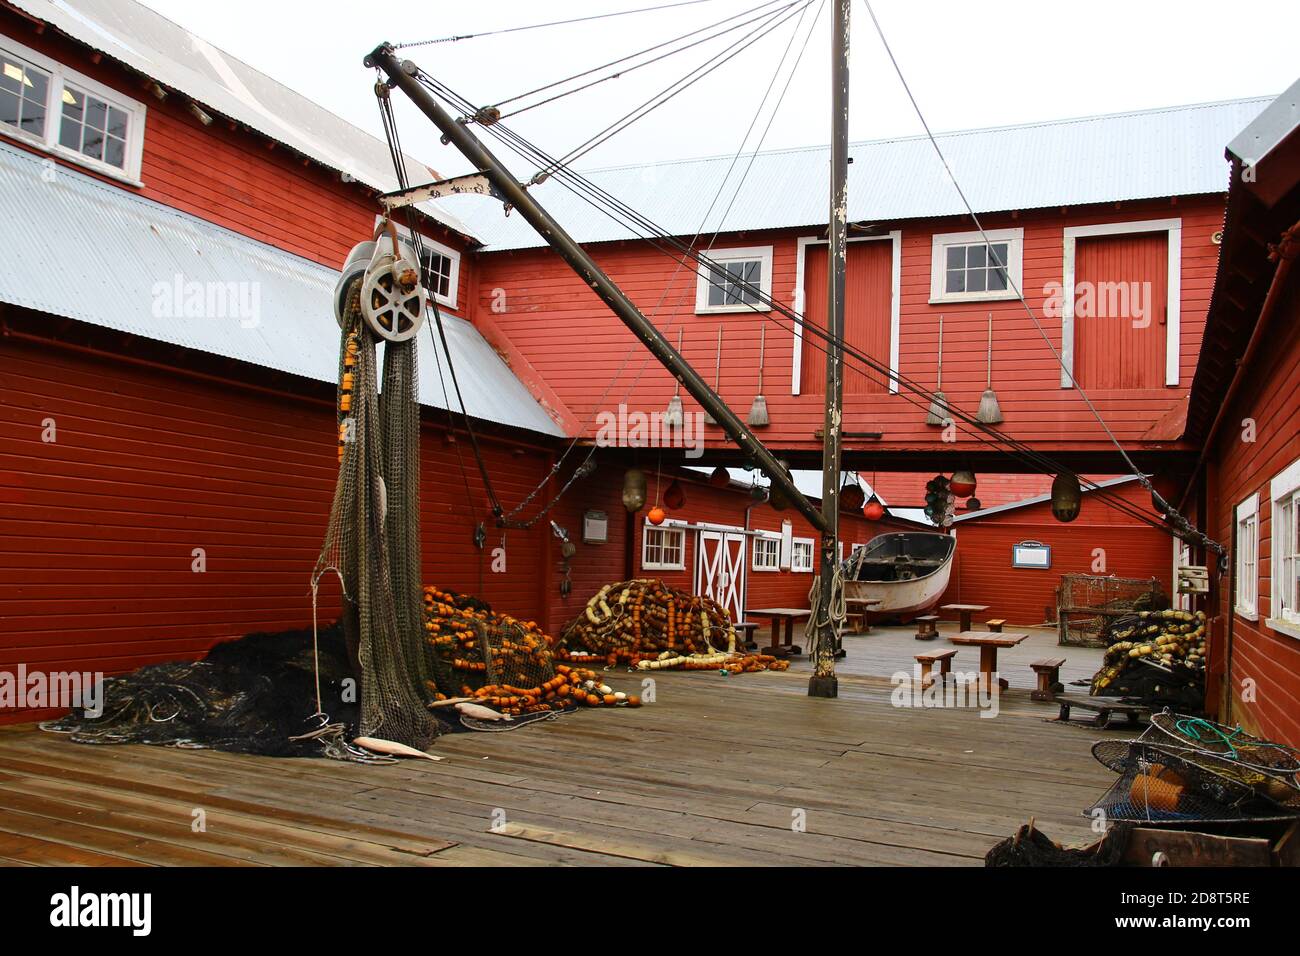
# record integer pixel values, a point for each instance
(392, 299)
(347, 290)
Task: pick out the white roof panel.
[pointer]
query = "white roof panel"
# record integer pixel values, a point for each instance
(1177, 151)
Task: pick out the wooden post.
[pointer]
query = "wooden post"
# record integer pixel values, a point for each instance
(824, 683)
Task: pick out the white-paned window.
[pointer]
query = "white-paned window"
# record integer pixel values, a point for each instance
(1285, 492)
(803, 554)
(736, 281)
(663, 548)
(63, 112)
(440, 272)
(24, 96)
(767, 552)
(970, 266)
(1247, 603)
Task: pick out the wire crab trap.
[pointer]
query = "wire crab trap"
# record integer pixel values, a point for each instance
(1174, 773)
(1087, 604)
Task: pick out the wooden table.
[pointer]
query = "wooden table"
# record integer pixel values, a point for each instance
(779, 614)
(964, 612)
(988, 642)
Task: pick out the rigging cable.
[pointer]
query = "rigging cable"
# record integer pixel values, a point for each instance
(552, 23)
(624, 72)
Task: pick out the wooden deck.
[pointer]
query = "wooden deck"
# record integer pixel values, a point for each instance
(716, 772)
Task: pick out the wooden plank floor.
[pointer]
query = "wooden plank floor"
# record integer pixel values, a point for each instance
(718, 771)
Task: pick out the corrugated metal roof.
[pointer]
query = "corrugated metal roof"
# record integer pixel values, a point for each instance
(1269, 128)
(1177, 151)
(117, 260)
(148, 42)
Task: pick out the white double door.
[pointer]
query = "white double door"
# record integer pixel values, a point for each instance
(720, 567)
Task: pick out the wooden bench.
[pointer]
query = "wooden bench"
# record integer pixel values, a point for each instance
(1048, 672)
(927, 660)
(995, 625)
(927, 627)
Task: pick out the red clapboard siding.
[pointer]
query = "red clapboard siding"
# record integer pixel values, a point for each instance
(97, 528)
(550, 316)
(1270, 399)
(867, 280)
(982, 572)
(1121, 350)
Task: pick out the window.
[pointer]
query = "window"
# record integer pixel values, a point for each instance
(767, 552)
(440, 272)
(737, 281)
(802, 554)
(1247, 574)
(93, 128)
(24, 94)
(1285, 491)
(63, 112)
(664, 549)
(970, 266)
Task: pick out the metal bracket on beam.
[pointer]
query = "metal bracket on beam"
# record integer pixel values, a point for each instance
(471, 184)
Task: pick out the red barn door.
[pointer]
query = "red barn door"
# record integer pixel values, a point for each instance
(1120, 320)
(867, 284)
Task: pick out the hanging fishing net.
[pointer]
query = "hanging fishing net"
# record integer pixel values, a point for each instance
(372, 542)
(1187, 769)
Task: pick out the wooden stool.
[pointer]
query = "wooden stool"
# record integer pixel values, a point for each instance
(927, 627)
(995, 625)
(1048, 671)
(927, 659)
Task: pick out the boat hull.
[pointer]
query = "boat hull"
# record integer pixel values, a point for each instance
(906, 572)
(902, 597)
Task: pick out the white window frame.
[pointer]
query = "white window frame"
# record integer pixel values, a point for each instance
(895, 238)
(798, 566)
(1285, 493)
(48, 142)
(679, 531)
(1173, 290)
(767, 537)
(453, 279)
(722, 256)
(1246, 558)
(447, 301)
(941, 241)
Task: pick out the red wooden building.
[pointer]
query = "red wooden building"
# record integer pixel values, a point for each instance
(1100, 541)
(1245, 402)
(169, 460)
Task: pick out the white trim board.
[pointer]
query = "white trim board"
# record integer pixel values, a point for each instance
(1173, 291)
(895, 237)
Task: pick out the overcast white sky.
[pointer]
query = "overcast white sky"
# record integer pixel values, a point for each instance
(970, 64)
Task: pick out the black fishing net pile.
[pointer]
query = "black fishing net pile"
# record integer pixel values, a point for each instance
(1031, 847)
(249, 695)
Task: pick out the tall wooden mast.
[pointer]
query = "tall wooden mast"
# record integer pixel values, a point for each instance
(824, 683)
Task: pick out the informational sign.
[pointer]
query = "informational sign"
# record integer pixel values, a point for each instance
(1031, 554)
(595, 527)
